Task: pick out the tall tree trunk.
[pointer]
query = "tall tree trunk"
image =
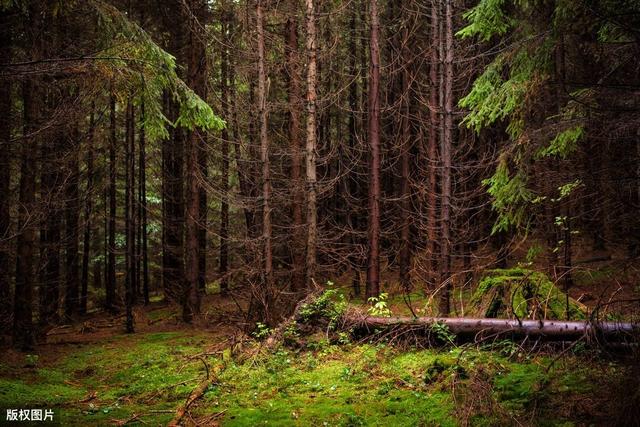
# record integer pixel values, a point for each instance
(51, 184)
(432, 148)
(110, 284)
(5, 166)
(196, 71)
(446, 144)
(223, 267)
(373, 229)
(351, 184)
(266, 176)
(23, 336)
(143, 207)
(129, 282)
(72, 219)
(293, 93)
(88, 208)
(312, 232)
(405, 190)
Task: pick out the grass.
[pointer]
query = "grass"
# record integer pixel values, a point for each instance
(96, 384)
(328, 385)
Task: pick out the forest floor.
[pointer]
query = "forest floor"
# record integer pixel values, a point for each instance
(94, 374)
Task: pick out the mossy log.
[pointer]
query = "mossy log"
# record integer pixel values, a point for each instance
(555, 330)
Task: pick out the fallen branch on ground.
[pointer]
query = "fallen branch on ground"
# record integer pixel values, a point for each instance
(547, 329)
(196, 394)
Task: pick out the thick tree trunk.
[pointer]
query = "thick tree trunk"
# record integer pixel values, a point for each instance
(297, 197)
(476, 328)
(110, 284)
(373, 264)
(312, 219)
(51, 185)
(196, 72)
(446, 143)
(6, 123)
(23, 336)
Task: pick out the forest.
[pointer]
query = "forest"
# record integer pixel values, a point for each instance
(320, 212)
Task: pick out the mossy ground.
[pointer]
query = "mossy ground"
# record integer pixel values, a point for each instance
(150, 374)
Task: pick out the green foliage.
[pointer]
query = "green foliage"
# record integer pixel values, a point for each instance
(511, 197)
(330, 305)
(492, 97)
(565, 190)
(262, 331)
(564, 144)
(140, 70)
(522, 293)
(379, 305)
(487, 19)
(442, 333)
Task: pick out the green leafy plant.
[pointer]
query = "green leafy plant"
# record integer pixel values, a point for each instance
(442, 333)
(330, 305)
(262, 331)
(379, 305)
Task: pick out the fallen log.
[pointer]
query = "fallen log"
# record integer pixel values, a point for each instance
(556, 330)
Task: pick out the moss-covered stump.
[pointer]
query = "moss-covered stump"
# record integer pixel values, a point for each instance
(523, 294)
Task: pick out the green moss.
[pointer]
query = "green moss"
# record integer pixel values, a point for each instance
(522, 293)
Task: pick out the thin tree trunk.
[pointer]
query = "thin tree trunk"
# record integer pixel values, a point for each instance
(72, 208)
(405, 190)
(446, 162)
(432, 148)
(128, 218)
(373, 269)
(111, 263)
(143, 207)
(266, 177)
(88, 208)
(312, 232)
(223, 267)
(293, 93)
(352, 186)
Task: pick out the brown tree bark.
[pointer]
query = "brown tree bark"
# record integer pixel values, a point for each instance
(88, 208)
(445, 148)
(267, 281)
(72, 220)
(23, 335)
(297, 197)
(6, 123)
(312, 215)
(223, 266)
(142, 197)
(129, 283)
(432, 149)
(196, 72)
(373, 229)
(110, 285)
(405, 187)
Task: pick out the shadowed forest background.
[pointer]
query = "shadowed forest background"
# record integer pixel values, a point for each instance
(323, 208)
